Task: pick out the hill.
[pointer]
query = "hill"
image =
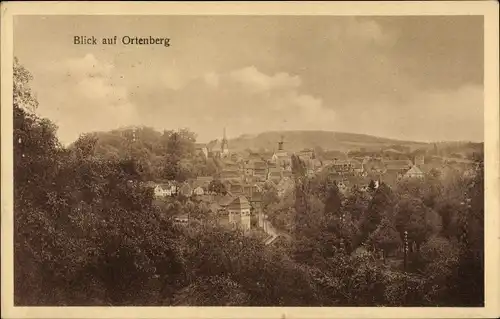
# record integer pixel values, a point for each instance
(299, 140)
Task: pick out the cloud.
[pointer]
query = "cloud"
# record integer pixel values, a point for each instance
(253, 79)
(244, 100)
(82, 94)
(438, 115)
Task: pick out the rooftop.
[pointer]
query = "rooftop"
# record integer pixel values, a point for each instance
(239, 203)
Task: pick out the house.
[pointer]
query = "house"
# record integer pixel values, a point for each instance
(198, 191)
(161, 191)
(342, 166)
(306, 154)
(357, 166)
(165, 189)
(419, 160)
(201, 185)
(239, 212)
(230, 174)
(399, 166)
(251, 188)
(204, 180)
(236, 188)
(201, 149)
(225, 200)
(181, 220)
(230, 165)
(256, 168)
(414, 172)
(256, 200)
(342, 186)
(260, 170)
(282, 159)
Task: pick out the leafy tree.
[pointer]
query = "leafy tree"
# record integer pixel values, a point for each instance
(380, 206)
(333, 203)
(385, 237)
(415, 218)
(269, 196)
(356, 203)
(217, 187)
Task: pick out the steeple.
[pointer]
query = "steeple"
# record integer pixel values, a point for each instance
(224, 144)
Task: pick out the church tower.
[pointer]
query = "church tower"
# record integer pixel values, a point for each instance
(280, 144)
(224, 144)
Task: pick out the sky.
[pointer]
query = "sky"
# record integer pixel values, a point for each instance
(411, 78)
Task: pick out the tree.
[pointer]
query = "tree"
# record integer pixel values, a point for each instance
(269, 196)
(385, 237)
(356, 203)
(333, 203)
(172, 166)
(470, 289)
(217, 187)
(417, 219)
(380, 206)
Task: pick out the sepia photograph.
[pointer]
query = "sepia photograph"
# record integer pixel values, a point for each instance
(248, 160)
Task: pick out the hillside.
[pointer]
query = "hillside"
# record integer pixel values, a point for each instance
(152, 141)
(298, 140)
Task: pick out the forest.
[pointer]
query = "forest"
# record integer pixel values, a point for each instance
(87, 232)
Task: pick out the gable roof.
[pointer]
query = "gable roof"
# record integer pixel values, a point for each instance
(414, 171)
(230, 174)
(239, 203)
(397, 164)
(225, 200)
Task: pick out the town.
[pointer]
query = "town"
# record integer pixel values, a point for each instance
(243, 177)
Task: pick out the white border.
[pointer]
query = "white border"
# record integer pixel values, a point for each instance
(489, 9)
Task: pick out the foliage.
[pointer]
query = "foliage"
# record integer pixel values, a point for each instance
(217, 187)
(385, 237)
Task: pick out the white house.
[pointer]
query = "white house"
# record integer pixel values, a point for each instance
(414, 172)
(162, 190)
(239, 212)
(198, 191)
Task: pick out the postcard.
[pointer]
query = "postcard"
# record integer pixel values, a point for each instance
(250, 160)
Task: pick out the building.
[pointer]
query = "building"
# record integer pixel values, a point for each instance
(306, 155)
(419, 160)
(281, 158)
(231, 175)
(400, 166)
(414, 172)
(165, 189)
(198, 191)
(162, 190)
(239, 212)
(255, 170)
(201, 149)
(219, 148)
(181, 220)
(235, 188)
(224, 145)
(342, 166)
